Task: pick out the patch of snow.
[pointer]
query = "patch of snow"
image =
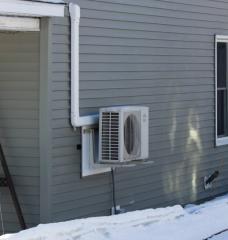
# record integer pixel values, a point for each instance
(194, 222)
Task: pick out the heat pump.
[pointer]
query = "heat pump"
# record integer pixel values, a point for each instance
(123, 134)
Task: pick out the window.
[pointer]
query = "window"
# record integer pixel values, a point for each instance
(221, 61)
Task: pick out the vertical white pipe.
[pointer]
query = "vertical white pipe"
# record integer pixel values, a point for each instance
(76, 119)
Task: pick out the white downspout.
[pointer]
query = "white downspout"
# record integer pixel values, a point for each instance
(76, 119)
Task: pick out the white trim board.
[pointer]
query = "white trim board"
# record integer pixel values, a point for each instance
(19, 24)
(221, 141)
(31, 9)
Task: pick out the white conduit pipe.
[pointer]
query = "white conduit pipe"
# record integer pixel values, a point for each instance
(76, 119)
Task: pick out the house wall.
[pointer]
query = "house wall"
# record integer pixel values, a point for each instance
(154, 53)
(19, 124)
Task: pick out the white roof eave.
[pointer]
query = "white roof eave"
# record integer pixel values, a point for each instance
(48, 1)
(31, 8)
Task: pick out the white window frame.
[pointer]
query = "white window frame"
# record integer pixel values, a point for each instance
(220, 141)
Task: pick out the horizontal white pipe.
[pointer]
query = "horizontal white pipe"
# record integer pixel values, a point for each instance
(76, 119)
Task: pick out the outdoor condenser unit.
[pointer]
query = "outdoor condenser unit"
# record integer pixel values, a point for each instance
(123, 134)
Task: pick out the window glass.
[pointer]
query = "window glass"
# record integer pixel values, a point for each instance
(222, 89)
(221, 99)
(221, 60)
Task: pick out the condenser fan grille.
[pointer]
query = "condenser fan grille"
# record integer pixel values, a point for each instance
(132, 136)
(110, 136)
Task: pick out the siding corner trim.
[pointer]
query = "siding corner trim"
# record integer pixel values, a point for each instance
(45, 120)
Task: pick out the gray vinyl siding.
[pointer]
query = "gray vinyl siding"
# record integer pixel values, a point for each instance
(19, 124)
(154, 53)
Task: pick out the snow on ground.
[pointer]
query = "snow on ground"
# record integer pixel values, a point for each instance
(194, 222)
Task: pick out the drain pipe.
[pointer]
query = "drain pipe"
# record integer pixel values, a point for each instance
(76, 119)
